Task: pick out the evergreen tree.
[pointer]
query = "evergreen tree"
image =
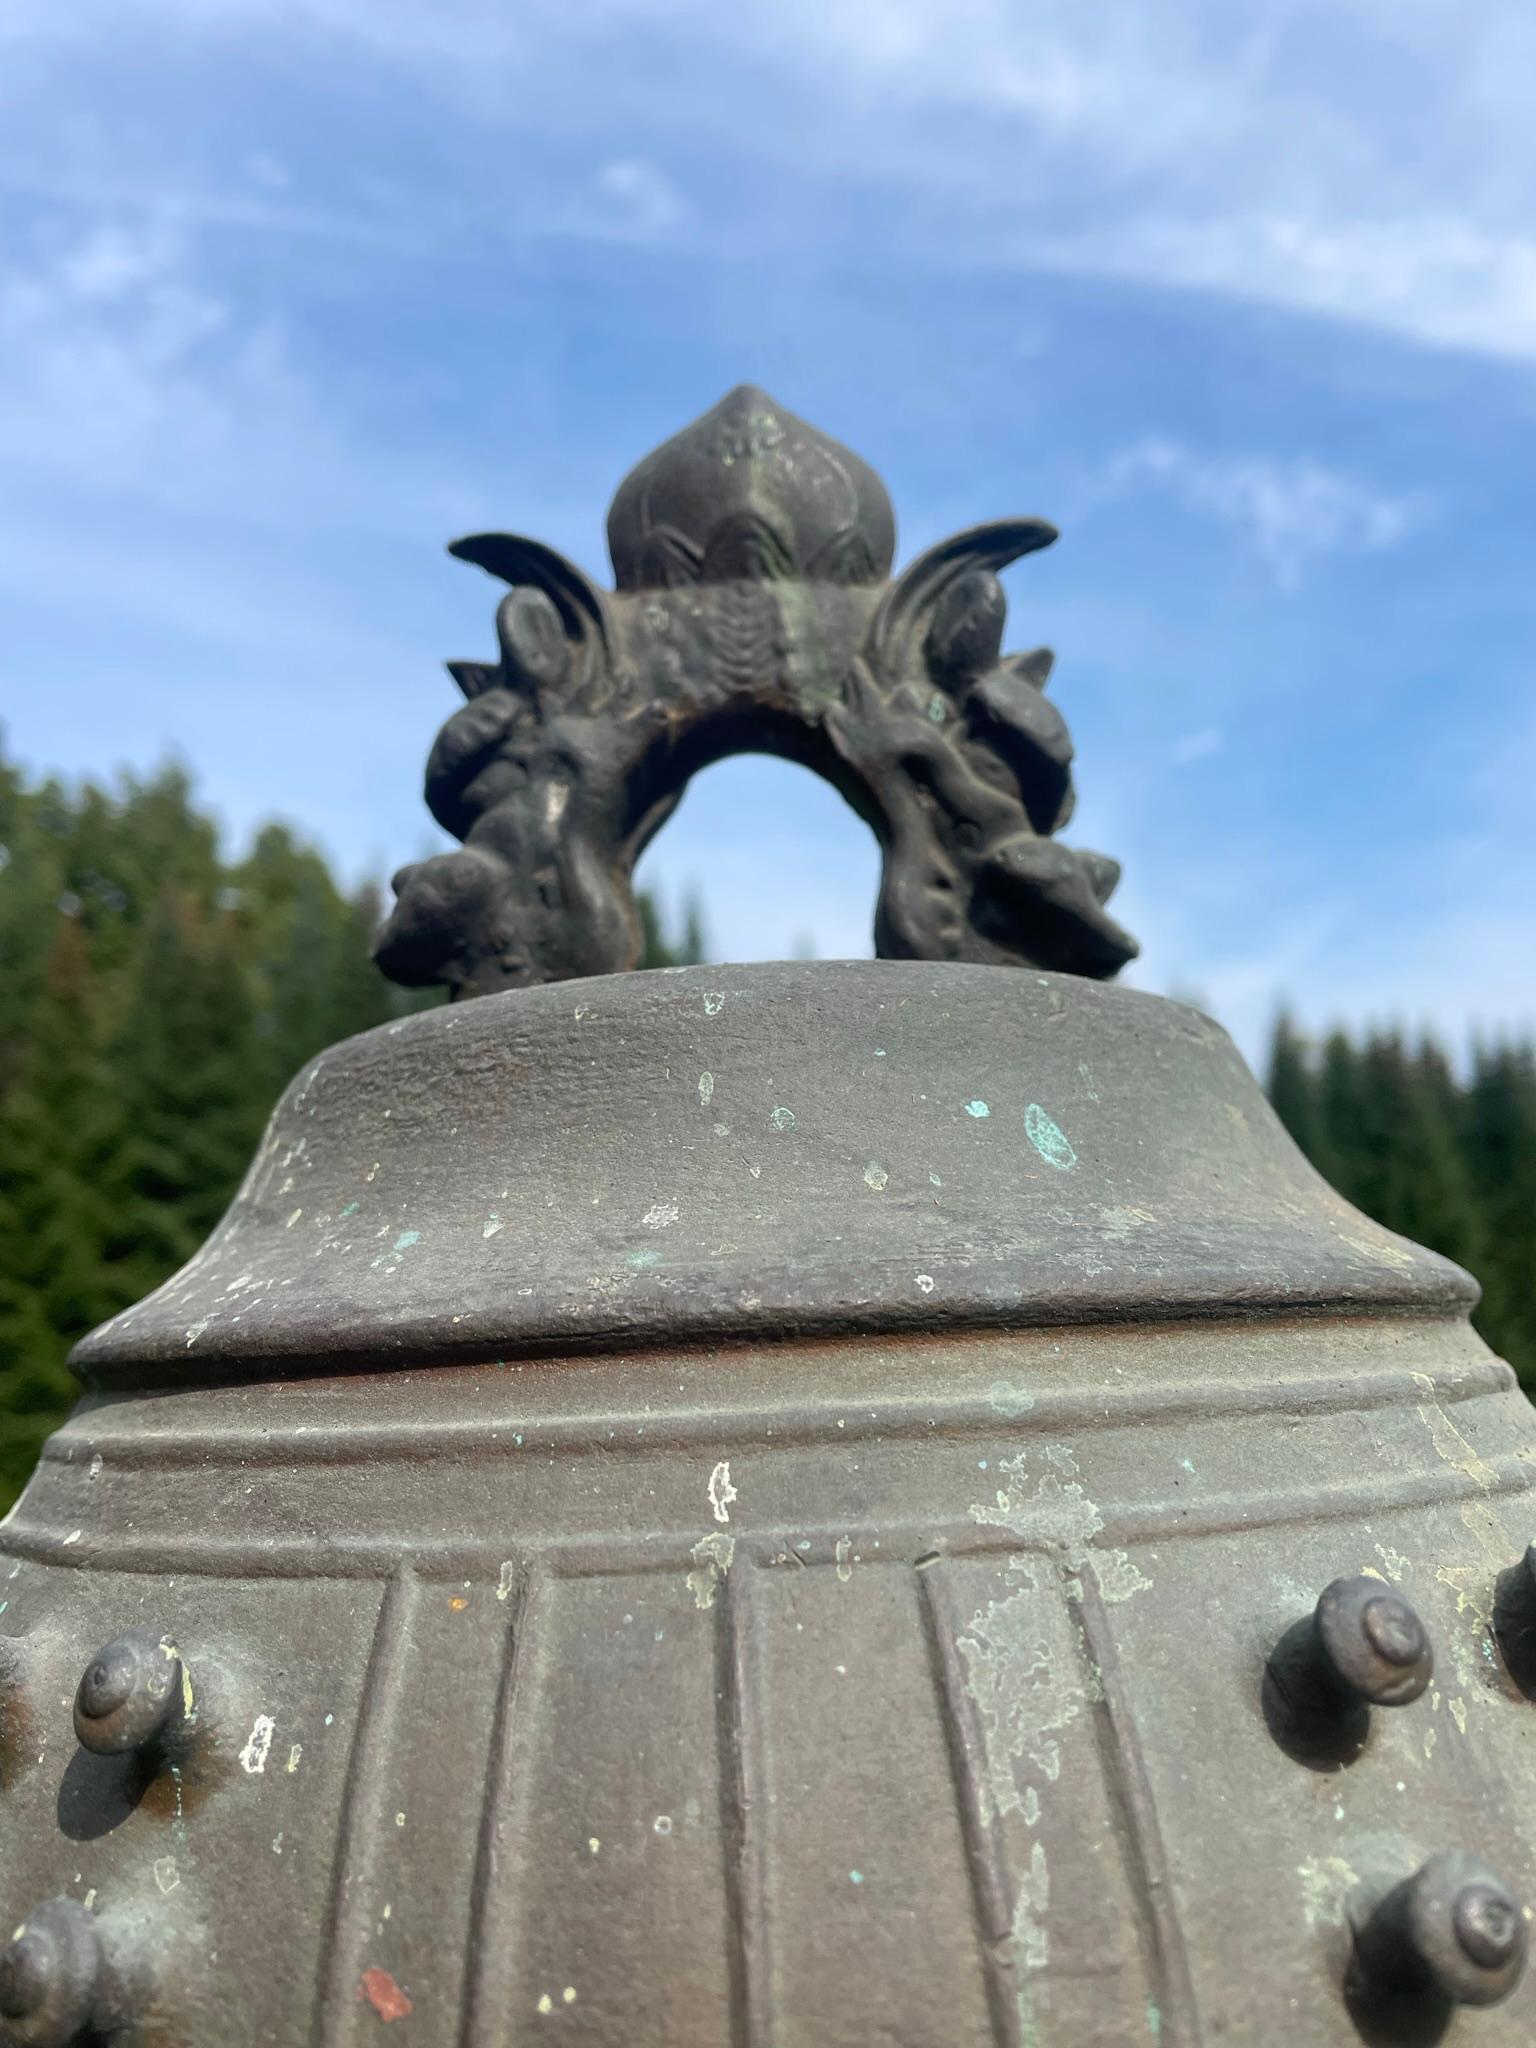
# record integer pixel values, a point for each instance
(154, 1001)
(1293, 1085)
(686, 950)
(68, 1254)
(194, 1095)
(1450, 1164)
(1499, 1137)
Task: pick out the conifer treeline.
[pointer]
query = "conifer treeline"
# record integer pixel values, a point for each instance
(1448, 1160)
(155, 998)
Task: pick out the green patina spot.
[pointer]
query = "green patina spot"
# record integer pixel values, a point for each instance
(977, 1108)
(1048, 1138)
(350, 1210)
(639, 1262)
(406, 1239)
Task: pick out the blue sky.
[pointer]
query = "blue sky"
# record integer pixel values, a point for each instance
(1243, 298)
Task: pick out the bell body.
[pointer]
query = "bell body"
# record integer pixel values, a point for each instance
(757, 1505)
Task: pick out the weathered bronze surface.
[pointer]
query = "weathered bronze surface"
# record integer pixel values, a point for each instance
(753, 613)
(793, 1506)
(758, 1505)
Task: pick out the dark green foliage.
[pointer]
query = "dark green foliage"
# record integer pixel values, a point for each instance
(67, 1255)
(687, 950)
(1448, 1162)
(153, 1001)
(155, 998)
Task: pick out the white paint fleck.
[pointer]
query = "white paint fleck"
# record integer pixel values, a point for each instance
(1008, 1401)
(546, 2003)
(714, 1003)
(1449, 1442)
(706, 1087)
(294, 1755)
(662, 1824)
(258, 1744)
(167, 1876)
(1120, 1222)
(73, 1537)
(924, 1281)
(277, 1843)
(875, 1176)
(293, 1219)
(721, 1491)
(195, 1332)
(568, 1995)
(593, 1844)
(1028, 1670)
(1394, 1257)
(660, 1216)
(93, 1470)
(1031, 1944)
(504, 1579)
(1059, 1511)
(841, 1550)
(399, 1820)
(712, 1557)
(1326, 1883)
(492, 1224)
(1029, 1678)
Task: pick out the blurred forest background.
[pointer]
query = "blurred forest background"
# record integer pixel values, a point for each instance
(155, 997)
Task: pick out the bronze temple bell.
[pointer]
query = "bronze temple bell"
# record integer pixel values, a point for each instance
(795, 1506)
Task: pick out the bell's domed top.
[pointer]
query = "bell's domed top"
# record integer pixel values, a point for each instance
(750, 493)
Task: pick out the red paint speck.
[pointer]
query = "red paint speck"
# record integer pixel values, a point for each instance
(385, 1995)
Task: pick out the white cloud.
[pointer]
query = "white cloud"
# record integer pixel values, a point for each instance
(1456, 975)
(1435, 933)
(628, 199)
(1196, 746)
(129, 380)
(262, 168)
(104, 336)
(1294, 510)
(1361, 160)
(1427, 274)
